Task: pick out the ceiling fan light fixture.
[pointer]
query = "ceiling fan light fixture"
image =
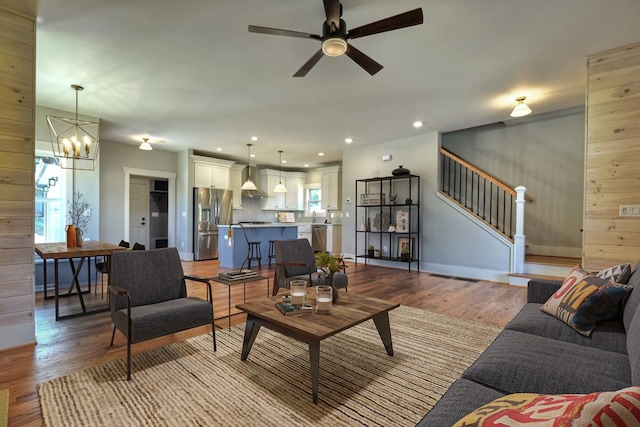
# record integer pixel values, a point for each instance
(334, 46)
(145, 145)
(521, 109)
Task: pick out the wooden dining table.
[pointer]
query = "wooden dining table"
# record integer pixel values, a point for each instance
(76, 256)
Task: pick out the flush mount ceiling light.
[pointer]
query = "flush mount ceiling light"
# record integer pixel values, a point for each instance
(417, 124)
(145, 145)
(74, 141)
(521, 109)
(248, 184)
(335, 46)
(348, 140)
(280, 188)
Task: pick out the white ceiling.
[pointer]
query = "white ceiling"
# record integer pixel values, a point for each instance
(190, 74)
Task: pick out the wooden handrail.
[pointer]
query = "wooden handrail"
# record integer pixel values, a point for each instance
(482, 174)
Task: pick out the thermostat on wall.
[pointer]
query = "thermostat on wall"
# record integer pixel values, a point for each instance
(386, 157)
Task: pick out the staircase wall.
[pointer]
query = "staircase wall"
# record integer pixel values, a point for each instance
(546, 155)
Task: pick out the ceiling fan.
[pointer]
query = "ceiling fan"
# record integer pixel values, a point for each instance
(335, 35)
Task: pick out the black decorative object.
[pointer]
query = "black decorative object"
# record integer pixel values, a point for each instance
(400, 171)
(334, 293)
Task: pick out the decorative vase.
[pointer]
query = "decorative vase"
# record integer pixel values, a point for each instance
(400, 171)
(334, 294)
(376, 253)
(79, 234)
(71, 236)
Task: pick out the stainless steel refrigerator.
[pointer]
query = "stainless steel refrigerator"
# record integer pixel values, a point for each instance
(211, 208)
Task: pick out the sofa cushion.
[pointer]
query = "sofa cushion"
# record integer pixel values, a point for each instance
(584, 300)
(608, 335)
(462, 397)
(517, 362)
(618, 273)
(619, 408)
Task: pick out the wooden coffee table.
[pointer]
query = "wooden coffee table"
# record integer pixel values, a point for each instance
(311, 328)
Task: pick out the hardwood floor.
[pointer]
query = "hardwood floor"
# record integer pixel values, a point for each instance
(70, 345)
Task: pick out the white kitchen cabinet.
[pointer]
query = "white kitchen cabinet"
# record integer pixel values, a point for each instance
(292, 200)
(211, 172)
(330, 188)
(235, 183)
(304, 232)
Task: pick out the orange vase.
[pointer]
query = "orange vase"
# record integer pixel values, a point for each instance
(71, 236)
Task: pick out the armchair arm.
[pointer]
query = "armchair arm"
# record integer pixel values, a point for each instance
(204, 280)
(117, 290)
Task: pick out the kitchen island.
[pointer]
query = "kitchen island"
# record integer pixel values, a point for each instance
(232, 247)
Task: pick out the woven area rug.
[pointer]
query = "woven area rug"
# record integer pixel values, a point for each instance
(186, 383)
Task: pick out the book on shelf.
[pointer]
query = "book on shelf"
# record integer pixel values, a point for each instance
(238, 274)
(289, 309)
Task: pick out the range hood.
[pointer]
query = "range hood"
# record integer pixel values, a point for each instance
(255, 177)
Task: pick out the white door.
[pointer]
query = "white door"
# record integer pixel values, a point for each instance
(138, 212)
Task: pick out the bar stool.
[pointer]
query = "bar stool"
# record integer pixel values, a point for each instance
(253, 250)
(272, 251)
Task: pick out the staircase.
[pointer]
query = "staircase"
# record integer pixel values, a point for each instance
(543, 267)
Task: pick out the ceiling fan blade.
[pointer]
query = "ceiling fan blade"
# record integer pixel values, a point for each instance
(332, 10)
(279, 32)
(407, 19)
(369, 65)
(309, 64)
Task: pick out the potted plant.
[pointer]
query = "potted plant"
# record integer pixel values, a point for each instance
(79, 214)
(404, 254)
(376, 253)
(328, 265)
(408, 201)
(370, 251)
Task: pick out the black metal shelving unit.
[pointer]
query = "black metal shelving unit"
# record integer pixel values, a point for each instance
(376, 211)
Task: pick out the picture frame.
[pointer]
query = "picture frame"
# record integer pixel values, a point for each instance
(405, 242)
(402, 221)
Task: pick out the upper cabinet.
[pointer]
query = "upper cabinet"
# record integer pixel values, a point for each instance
(235, 184)
(293, 199)
(331, 188)
(211, 172)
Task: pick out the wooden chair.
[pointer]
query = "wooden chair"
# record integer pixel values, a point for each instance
(149, 297)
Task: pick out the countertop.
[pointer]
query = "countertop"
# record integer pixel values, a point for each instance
(272, 225)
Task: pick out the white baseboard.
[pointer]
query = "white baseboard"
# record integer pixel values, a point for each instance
(17, 335)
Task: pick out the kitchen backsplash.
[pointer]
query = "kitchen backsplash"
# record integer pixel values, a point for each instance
(252, 211)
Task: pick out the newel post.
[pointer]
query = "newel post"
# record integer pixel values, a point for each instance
(519, 239)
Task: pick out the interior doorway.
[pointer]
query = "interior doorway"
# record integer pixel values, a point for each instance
(132, 174)
(139, 212)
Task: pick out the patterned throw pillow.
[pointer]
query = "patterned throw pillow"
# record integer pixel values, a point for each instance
(618, 273)
(611, 408)
(584, 300)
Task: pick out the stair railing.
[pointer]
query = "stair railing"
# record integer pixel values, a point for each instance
(490, 200)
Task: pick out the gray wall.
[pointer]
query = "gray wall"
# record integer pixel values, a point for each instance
(547, 157)
(450, 242)
(113, 157)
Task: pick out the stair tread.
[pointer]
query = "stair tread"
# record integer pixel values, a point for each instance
(536, 276)
(552, 260)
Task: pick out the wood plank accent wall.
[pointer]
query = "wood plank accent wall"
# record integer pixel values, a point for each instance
(17, 169)
(612, 167)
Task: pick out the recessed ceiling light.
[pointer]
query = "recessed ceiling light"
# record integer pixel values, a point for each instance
(254, 138)
(253, 155)
(218, 149)
(306, 165)
(320, 154)
(417, 124)
(348, 140)
(284, 161)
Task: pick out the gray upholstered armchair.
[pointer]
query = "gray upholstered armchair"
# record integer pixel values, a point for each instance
(295, 260)
(149, 297)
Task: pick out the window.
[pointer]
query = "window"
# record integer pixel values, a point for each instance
(50, 208)
(314, 199)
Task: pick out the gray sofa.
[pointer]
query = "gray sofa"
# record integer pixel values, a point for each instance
(537, 353)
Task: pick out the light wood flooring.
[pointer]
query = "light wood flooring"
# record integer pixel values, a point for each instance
(70, 345)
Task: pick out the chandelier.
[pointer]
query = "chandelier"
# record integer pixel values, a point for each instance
(74, 141)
